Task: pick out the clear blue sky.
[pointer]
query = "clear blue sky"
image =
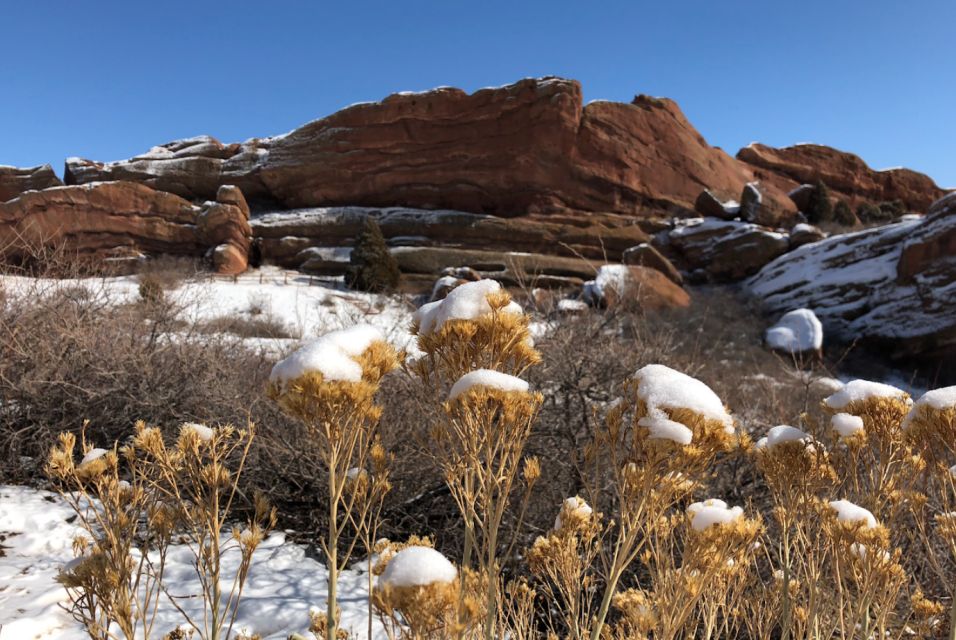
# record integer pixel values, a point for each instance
(107, 80)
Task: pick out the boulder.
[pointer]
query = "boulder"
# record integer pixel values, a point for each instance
(709, 205)
(803, 233)
(644, 255)
(847, 176)
(16, 180)
(802, 196)
(893, 285)
(121, 218)
(751, 203)
(224, 224)
(528, 147)
(726, 251)
(641, 287)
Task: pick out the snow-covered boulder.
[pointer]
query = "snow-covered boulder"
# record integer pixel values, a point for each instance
(798, 331)
(726, 250)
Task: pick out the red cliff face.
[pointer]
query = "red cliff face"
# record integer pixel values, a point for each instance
(845, 174)
(16, 180)
(528, 147)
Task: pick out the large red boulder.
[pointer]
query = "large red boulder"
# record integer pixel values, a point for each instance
(528, 147)
(846, 175)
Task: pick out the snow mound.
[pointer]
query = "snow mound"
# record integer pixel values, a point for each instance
(846, 424)
(661, 387)
(332, 355)
(664, 429)
(468, 301)
(826, 385)
(852, 513)
(862, 390)
(575, 507)
(487, 378)
(937, 399)
(797, 331)
(418, 567)
(710, 512)
(781, 434)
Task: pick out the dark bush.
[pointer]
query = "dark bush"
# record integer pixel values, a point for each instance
(820, 209)
(843, 215)
(372, 267)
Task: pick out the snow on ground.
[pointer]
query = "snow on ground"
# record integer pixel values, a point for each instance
(305, 306)
(282, 586)
(796, 332)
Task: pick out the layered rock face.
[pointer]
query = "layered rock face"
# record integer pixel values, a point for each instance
(529, 147)
(726, 250)
(99, 218)
(894, 284)
(846, 175)
(16, 180)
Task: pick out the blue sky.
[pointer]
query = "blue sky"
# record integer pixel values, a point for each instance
(107, 80)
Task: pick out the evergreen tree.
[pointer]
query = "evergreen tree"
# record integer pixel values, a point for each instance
(371, 266)
(820, 209)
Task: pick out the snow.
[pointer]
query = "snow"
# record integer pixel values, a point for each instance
(418, 567)
(846, 424)
(203, 432)
(719, 230)
(283, 585)
(570, 305)
(466, 302)
(576, 507)
(332, 355)
(861, 391)
(797, 331)
(665, 429)
(487, 378)
(610, 277)
(711, 512)
(852, 513)
(826, 384)
(803, 227)
(661, 388)
(937, 399)
(91, 455)
(304, 306)
(781, 434)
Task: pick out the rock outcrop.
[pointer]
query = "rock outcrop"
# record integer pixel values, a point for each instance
(528, 147)
(645, 255)
(726, 250)
(633, 286)
(846, 175)
(282, 236)
(121, 217)
(895, 285)
(16, 180)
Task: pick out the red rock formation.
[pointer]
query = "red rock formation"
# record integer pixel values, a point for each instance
(99, 219)
(847, 176)
(16, 180)
(529, 147)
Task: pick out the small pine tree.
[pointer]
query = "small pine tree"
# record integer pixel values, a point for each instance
(371, 266)
(820, 209)
(843, 214)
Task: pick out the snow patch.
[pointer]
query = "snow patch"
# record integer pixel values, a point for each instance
(861, 391)
(852, 513)
(487, 378)
(418, 567)
(711, 512)
(661, 388)
(468, 301)
(846, 424)
(332, 355)
(797, 331)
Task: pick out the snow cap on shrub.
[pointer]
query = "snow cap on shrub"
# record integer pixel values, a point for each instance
(202, 432)
(781, 434)
(468, 301)
(92, 455)
(861, 391)
(665, 429)
(573, 510)
(937, 400)
(333, 355)
(661, 388)
(846, 424)
(487, 378)
(710, 512)
(418, 567)
(852, 513)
